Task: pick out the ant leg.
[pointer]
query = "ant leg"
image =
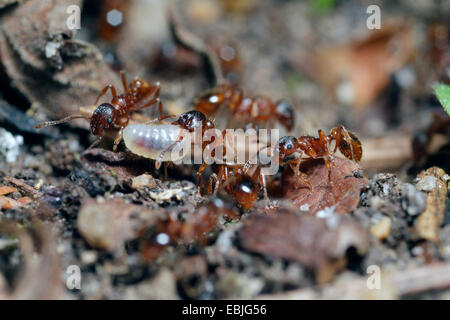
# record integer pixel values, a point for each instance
(166, 117)
(105, 89)
(200, 174)
(156, 95)
(160, 107)
(124, 80)
(96, 142)
(147, 104)
(328, 163)
(262, 181)
(155, 90)
(159, 160)
(301, 176)
(161, 118)
(225, 178)
(151, 102)
(216, 179)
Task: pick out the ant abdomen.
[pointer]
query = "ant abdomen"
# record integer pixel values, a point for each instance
(244, 190)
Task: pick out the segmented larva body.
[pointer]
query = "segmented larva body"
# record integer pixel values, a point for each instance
(149, 140)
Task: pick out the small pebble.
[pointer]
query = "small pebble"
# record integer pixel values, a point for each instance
(144, 180)
(89, 257)
(382, 229)
(9, 145)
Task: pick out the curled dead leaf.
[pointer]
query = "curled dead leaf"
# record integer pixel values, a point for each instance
(45, 64)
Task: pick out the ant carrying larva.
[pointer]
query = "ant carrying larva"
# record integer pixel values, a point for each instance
(157, 140)
(116, 114)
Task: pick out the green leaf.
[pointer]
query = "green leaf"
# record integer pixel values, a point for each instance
(442, 92)
(323, 6)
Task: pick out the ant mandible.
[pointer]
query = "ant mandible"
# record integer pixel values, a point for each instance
(116, 114)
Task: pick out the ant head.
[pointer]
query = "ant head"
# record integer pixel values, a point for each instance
(103, 118)
(285, 114)
(245, 191)
(194, 119)
(287, 147)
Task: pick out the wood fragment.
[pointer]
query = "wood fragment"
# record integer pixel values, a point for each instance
(25, 188)
(429, 221)
(398, 284)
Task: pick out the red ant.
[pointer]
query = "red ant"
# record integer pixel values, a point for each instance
(243, 187)
(116, 115)
(185, 227)
(256, 109)
(291, 150)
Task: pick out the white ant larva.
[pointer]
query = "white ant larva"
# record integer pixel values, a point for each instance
(157, 141)
(152, 141)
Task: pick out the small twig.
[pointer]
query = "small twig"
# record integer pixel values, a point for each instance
(105, 155)
(421, 279)
(401, 283)
(27, 189)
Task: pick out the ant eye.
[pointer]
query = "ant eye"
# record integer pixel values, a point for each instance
(287, 142)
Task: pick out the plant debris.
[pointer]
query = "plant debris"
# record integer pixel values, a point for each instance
(434, 181)
(316, 243)
(343, 193)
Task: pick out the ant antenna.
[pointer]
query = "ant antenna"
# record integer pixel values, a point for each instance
(66, 119)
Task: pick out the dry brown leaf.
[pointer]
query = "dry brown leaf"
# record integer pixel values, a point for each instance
(342, 194)
(428, 223)
(44, 64)
(305, 239)
(364, 66)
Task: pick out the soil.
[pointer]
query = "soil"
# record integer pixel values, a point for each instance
(135, 232)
